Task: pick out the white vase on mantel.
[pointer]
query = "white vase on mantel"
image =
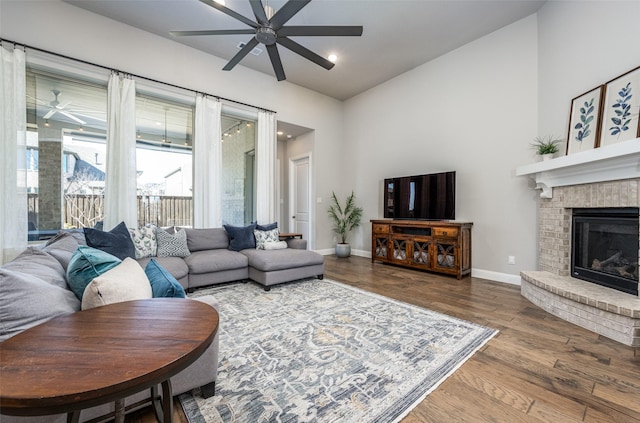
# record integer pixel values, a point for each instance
(546, 157)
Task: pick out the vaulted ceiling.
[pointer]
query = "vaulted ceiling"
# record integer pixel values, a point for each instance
(398, 35)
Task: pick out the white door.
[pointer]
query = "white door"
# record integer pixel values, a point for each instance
(300, 204)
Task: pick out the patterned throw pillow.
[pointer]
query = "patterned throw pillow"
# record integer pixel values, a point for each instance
(263, 237)
(172, 245)
(144, 241)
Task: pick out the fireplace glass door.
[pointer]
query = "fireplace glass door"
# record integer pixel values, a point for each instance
(605, 247)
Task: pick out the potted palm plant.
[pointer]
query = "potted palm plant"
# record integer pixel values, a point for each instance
(345, 219)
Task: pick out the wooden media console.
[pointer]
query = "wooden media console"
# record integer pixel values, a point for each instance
(436, 246)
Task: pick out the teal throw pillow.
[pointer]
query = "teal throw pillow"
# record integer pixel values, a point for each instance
(86, 264)
(163, 284)
(241, 237)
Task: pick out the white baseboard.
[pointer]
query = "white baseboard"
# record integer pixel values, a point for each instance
(476, 273)
(354, 252)
(496, 276)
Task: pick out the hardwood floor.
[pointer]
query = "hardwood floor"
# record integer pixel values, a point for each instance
(539, 368)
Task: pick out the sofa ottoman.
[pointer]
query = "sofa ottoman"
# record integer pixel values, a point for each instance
(271, 267)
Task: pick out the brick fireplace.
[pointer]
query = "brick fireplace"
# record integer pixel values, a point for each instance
(590, 180)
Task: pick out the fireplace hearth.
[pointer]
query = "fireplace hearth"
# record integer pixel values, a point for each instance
(604, 246)
(601, 177)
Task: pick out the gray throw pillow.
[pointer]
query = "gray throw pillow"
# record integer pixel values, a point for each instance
(172, 245)
(62, 247)
(39, 264)
(26, 301)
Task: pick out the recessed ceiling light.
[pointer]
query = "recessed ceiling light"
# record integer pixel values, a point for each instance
(332, 58)
(280, 132)
(289, 136)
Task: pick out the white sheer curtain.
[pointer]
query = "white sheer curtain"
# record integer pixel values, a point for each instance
(13, 175)
(207, 146)
(121, 179)
(266, 168)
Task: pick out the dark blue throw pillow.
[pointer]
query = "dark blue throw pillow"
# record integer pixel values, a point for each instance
(269, 227)
(116, 242)
(241, 237)
(163, 284)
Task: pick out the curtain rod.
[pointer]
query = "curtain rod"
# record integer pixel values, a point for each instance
(26, 46)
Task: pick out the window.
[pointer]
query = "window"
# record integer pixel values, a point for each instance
(164, 162)
(238, 170)
(65, 152)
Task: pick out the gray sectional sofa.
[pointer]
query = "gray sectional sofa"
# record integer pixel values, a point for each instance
(33, 289)
(211, 262)
(25, 298)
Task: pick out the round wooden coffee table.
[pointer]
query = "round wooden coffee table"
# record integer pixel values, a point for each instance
(105, 354)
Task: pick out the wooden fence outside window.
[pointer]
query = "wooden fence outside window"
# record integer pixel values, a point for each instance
(87, 210)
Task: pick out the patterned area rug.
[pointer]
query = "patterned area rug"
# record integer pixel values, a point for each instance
(321, 351)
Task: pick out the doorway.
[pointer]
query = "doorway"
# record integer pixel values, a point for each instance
(300, 210)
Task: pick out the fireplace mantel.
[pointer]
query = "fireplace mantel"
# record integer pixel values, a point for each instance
(610, 163)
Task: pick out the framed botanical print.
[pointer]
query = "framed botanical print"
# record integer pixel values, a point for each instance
(620, 109)
(584, 121)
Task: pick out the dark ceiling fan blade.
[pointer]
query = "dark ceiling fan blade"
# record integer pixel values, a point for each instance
(258, 10)
(240, 55)
(305, 52)
(286, 12)
(213, 32)
(276, 62)
(315, 31)
(230, 12)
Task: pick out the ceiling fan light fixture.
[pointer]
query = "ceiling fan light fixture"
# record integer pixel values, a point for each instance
(46, 123)
(332, 58)
(269, 27)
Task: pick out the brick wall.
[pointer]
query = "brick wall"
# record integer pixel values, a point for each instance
(555, 217)
(49, 180)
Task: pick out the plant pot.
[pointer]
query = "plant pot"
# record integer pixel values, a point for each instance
(546, 157)
(343, 250)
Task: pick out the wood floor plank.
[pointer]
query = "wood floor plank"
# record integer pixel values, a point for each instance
(538, 369)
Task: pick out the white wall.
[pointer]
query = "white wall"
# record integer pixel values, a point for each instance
(474, 111)
(71, 31)
(582, 45)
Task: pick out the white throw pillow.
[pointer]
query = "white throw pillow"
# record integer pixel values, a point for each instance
(278, 245)
(125, 282)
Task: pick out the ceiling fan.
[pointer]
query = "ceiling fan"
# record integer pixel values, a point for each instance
(55, 107)
(269, 29)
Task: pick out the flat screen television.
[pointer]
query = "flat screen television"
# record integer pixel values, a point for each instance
(428, 197)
